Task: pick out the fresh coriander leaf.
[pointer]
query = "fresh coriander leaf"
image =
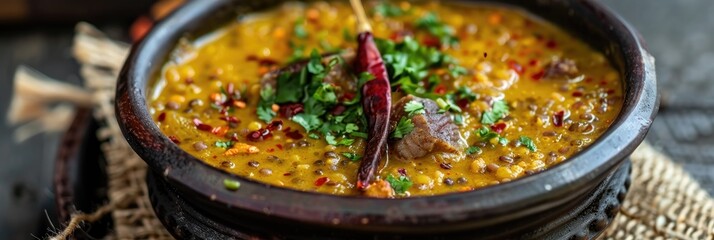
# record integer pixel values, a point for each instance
(359, 134)
(299, 29)
(265, 113)
(503, 141)
(224, 144)
(400, 185)
(363, 78)
(404, 127)
(312, 106)
(388, 10)
(414, 108)
(267, 93)
(231, 185)
(447, 105)
(330, 140)
(351, 127)
(486, 134)
(457, 71)
(466, 93)
(315, 66)
(432, 24)
(313, 136)
(287, 86)
(458, 119)
(498, 111)
(528, 143)
(346, 141)
(326, 94)
(308, 121)
(473, 150)
(352, 156)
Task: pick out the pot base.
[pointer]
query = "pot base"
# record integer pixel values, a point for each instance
(586, 221)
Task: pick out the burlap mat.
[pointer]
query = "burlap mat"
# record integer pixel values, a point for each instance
(664, 202)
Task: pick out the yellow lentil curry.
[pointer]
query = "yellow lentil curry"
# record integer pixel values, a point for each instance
(482, 95)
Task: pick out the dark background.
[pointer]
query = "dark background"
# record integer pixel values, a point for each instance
(679, 34)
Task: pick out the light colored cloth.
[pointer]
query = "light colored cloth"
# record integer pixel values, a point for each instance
(663, 202)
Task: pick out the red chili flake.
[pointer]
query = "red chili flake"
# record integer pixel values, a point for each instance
(280, 146)
(321, 181)
(275, 125)
(291, 109)
(551, 44)
(220, 131)
(161, 117)
(271, 150)
(462, 103)
(446, 166)
(498, 127)
(603, 83)
(440, 89)
(538, 76)
(485, 54)
(577, 94)
(558, 118)
(588, 79)
(189, 80)
(294, 134)
(431, 41)
(338, 110)
(402, 171)
(174, 139)
(398, 36)
(611, 91)
(202, 126)
(533, 62)
(513, 65)
(287, 174)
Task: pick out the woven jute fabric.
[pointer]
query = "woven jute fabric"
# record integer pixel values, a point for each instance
(663, 202)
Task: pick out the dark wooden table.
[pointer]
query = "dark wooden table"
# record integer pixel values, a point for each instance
(679, 34)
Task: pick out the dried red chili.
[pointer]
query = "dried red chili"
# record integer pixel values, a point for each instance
(376, 100)
(321, 181)
(291, 109)
(498, 127)
(161, 117)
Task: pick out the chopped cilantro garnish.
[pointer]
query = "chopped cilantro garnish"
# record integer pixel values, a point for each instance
(351, 127)
(400, 185)
(458, 119)
(313, 136)
(286, 89)
(464, 92)
(359, 134)
(325, 93)
(267, 99)
(414, 108)
(528, 143)
(315, 64)
(432, 24)
(308, 121)
(224, 144)
(498, 111)
(352, 156)
(389, 10)
(404, 127)
(231, 185)
(409, 63)
(486, 135)
(473, 150)
(299, 29)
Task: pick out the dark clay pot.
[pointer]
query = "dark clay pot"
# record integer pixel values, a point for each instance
(505, 210)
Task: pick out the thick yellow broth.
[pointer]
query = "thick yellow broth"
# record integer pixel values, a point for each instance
(491, 39)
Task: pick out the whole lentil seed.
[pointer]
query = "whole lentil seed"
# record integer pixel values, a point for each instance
(491, 167)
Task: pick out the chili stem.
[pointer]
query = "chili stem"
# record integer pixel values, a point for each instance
(362, 21)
